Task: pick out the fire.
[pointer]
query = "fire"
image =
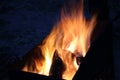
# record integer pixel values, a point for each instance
(70, 37)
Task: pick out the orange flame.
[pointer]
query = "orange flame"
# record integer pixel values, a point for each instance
(70, 36)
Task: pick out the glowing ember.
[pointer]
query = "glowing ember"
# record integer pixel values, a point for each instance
(71, 38)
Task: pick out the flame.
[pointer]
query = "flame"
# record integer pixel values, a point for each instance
(71, 38)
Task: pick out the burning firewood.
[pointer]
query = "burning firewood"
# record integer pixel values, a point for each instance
(60, 53)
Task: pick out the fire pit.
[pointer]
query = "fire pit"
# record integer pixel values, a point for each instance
(61, 51)
(68, 52)
(21, 75)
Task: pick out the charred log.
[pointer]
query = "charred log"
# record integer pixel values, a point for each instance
(57, 67)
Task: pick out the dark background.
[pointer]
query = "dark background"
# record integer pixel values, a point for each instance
(24, 24)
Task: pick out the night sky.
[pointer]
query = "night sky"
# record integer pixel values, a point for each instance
(25, 23)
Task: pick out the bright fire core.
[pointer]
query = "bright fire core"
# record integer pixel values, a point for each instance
(69, 36)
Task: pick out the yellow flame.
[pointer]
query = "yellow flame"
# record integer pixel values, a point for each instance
(70, 36)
